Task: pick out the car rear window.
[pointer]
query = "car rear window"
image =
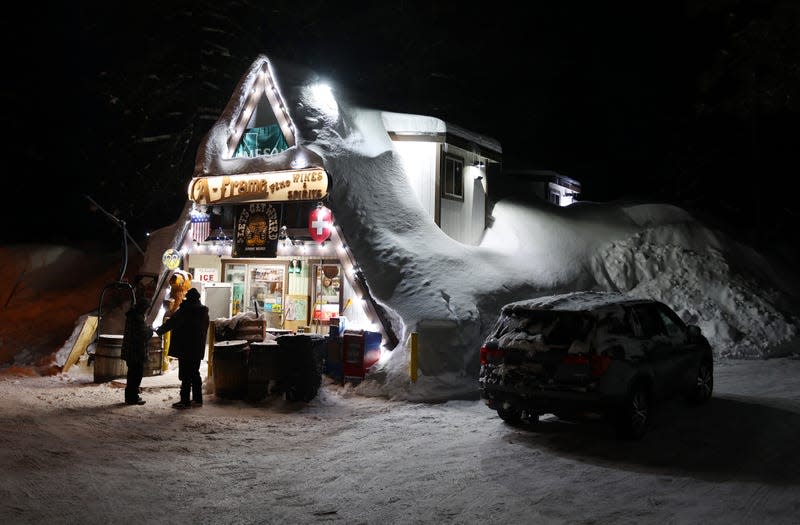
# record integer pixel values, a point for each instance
(548, 327)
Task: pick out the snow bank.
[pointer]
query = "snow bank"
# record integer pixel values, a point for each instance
(734, 308)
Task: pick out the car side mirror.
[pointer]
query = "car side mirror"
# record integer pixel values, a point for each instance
(694, 333)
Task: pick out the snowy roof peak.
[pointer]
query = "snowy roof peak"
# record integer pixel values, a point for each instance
(260, 81)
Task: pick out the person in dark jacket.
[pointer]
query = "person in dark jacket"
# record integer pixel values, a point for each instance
(189, 327)
(134, 349)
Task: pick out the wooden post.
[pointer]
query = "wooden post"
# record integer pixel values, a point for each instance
(83, 340)
(212, 339)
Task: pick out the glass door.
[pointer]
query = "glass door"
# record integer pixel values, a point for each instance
(235, 274)
(265, 287)
(327, 291)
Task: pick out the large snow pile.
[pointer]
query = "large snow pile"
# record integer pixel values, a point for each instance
(738, 312)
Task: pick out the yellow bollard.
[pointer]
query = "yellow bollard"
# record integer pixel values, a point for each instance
(165, 359)
(412, 364)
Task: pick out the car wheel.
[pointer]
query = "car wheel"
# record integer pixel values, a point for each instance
(634, 417)
(510, 415)
(704, 384)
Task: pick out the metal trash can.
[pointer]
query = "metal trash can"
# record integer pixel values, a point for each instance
(230, 369)
(262, 369)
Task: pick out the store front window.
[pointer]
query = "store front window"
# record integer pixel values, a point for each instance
(257, 287)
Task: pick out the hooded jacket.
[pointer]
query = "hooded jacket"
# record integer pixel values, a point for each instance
(136, 336)
(189, 327)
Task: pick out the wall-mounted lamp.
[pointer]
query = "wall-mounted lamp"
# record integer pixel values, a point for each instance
(283, 235)
(479, 164)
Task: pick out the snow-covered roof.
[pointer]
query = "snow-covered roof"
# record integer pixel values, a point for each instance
(409, 124)
(432, 128)
(481, 140)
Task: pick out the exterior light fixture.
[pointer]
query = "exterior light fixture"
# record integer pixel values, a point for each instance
(322, 97)
(283, 236)
(220, 239)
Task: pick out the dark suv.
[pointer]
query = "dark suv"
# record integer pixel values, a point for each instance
(592, 352)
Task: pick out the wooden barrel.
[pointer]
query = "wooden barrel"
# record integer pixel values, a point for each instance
(108, 363)
(229, 369)
(155, 352)
(262, 367)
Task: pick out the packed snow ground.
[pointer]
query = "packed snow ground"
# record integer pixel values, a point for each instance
(72, 452)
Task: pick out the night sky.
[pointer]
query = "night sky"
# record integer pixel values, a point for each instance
(694, 104)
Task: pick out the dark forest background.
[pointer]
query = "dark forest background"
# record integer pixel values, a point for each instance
(693, 103)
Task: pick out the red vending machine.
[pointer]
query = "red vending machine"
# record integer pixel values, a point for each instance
(360, 350)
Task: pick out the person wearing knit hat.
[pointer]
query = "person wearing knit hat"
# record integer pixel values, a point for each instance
(189, 327)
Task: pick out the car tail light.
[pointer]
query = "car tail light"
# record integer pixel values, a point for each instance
(576, 359)
(491, 354)
(598, 364)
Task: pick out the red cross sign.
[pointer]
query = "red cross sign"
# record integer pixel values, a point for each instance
(320, 222)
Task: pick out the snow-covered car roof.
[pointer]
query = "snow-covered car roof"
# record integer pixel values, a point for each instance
(573, 301)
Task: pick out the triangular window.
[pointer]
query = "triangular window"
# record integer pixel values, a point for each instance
(263, 126)
(262, 136)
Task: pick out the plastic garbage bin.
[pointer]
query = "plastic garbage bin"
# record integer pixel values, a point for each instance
(300, 365)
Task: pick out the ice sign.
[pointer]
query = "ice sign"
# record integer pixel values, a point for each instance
(206, 275)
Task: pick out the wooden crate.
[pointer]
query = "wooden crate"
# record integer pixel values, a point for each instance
(251, 330)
